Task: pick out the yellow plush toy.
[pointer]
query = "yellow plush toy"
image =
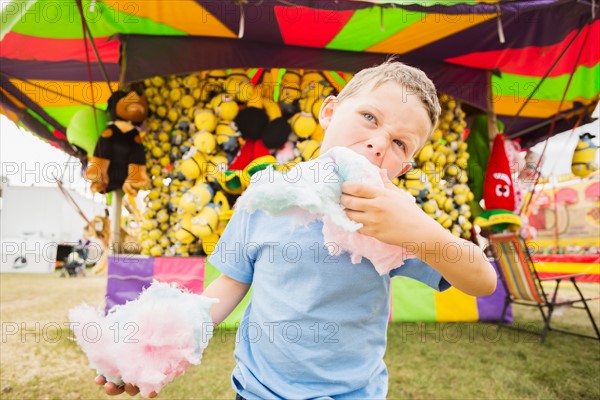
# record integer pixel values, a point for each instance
(584, 157)
(290, 92)
(205, 222)
(205, 120)
(224, 106)
(195, 199)
(228, 136)
(309, 149)
(238, 85)
(196, 160)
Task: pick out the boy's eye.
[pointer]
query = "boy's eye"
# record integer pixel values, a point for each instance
(400, 143)
(369, 117)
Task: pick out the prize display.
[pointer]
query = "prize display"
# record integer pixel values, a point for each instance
(439, 177)
(208, 133)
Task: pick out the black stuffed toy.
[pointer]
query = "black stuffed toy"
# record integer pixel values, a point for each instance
(119, 159)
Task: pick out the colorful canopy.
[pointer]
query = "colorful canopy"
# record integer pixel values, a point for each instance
(529, 49)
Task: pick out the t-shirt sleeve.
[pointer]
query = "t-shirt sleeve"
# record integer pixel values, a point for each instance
(234, 254)
(416, 269)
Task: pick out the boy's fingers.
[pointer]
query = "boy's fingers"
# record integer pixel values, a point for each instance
(359, 190)
(353, 203)
(131, 390)
(100, 380)
(112, 389)
(356, 216)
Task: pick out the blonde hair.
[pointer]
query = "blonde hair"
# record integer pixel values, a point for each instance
(411, 78)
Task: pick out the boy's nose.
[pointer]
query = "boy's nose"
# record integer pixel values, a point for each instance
(377, 147)
(375, 151)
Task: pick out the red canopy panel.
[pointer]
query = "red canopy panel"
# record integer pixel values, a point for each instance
(47, 49)
(308, 26)
(535, 60)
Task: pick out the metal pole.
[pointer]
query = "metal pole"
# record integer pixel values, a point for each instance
(116, 221)
(491, 115)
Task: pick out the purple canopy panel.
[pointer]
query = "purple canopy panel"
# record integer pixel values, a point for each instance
(128, 275)
(490, 307)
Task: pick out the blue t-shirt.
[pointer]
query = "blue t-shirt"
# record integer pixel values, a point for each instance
(316, 324)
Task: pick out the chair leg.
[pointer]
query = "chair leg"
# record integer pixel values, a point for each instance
(546, 322)
(501, 320)
(587, 309)
(550, 311)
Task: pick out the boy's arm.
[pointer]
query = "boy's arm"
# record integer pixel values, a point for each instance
(461, 263)
(229, 292)
(391, 216)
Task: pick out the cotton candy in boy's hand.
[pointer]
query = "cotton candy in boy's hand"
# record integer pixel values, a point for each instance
(312, 190)
(146, 342)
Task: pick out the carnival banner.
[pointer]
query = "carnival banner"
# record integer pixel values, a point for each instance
(411, 301)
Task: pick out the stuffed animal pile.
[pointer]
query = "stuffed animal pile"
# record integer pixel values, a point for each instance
(207, 135)
(209, 132)
(439, 179)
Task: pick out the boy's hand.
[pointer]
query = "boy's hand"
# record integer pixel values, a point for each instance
(388, 214)
(112, 390)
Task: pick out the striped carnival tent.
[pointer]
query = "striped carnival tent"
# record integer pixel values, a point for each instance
(534, 59)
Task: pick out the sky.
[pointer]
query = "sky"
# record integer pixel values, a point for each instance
(561, 147)
(27, 160)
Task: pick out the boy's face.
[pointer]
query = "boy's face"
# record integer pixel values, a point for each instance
(387, 125)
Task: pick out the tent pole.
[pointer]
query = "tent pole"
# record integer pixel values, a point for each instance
(555, 251)
(491, 115)
(585, 109)
(122, 64)
(116, 222)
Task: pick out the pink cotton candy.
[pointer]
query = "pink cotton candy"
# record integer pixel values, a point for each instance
(383, 256)
(312, 190)
(146, 342)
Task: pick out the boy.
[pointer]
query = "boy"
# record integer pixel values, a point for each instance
(316, 324)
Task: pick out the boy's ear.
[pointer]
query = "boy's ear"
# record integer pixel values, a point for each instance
(326, 111)
(405, 168)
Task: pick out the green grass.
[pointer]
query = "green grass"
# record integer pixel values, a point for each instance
(425, 361)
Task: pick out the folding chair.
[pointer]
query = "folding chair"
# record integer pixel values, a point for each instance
(524, 286)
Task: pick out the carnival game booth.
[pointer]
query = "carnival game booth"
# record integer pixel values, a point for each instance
(210, 131)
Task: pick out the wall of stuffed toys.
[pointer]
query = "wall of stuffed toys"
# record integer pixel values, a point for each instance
(208, 132)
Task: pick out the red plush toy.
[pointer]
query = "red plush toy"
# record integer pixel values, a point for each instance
(498, 192)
